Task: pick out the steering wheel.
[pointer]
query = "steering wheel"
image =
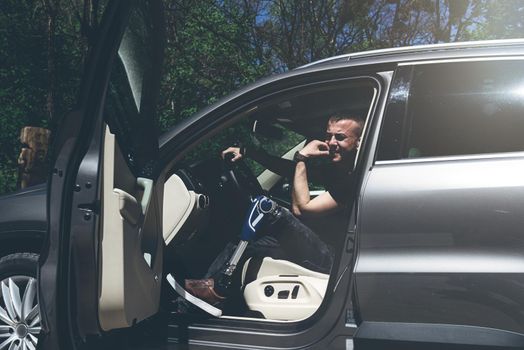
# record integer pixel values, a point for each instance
(242, 178)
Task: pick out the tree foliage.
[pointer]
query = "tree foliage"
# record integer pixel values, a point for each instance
(214, 47)
(208, 55)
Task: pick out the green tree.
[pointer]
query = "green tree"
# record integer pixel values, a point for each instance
(22, 73)
(208, 55)
(503, 20)
(41, 61)
(214, 47)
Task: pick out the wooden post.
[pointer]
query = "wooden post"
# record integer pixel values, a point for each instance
(32, 161)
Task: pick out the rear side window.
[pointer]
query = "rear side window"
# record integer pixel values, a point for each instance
(450, 109)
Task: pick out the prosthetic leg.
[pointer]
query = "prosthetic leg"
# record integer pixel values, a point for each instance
(203, 293)
(260, 207)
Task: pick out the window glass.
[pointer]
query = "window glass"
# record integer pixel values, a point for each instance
(278, 126)
(241, 135)
(455, 109)
(133, 89)
(280, 147)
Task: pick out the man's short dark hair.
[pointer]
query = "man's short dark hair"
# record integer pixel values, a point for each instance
(348, 116)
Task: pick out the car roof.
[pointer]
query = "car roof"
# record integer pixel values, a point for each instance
(468, 49)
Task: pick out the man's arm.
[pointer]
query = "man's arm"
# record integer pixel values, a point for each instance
(302, 204)
(280, 166)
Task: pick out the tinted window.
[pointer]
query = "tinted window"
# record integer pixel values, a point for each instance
(455, 109)
(133, 89)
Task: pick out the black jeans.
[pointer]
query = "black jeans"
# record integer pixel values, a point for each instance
(284, 237)
(290, 239)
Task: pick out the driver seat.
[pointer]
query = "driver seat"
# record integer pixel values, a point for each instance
(282, 290)
(184, 211)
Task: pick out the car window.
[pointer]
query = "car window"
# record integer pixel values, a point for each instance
(307, 114)
(284, 122)
(241, 135)
(451, 109)
(133, 91)
(289, 140)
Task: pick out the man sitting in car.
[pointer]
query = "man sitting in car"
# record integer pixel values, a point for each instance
(286, 234)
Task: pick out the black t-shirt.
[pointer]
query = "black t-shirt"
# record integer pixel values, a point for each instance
(340, 187)
(338, 182)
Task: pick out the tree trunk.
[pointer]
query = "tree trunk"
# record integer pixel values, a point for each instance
(52, 10)
(32, 161)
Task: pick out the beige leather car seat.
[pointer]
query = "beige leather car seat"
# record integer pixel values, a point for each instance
(282, 290)
(183, 210)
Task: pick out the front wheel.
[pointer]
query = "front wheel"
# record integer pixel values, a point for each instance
(19, 311)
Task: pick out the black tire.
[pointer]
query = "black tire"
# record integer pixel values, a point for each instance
(25, 264)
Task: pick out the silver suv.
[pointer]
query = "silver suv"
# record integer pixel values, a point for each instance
(428, 254)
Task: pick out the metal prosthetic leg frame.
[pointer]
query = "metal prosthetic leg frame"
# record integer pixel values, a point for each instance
(260, 207)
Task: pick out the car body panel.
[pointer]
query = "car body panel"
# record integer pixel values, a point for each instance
(24, 211)
(441, 242)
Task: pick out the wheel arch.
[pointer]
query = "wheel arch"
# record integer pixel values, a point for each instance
(20, 241)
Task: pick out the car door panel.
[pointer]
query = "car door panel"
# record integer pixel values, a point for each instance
(101, 264)
(129, 286)
(441, 244)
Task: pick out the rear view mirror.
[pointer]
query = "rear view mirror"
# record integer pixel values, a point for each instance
(268, 130)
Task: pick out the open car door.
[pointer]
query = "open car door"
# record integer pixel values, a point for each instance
(101, 266)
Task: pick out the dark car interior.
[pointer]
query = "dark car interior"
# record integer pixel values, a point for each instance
(222, 189)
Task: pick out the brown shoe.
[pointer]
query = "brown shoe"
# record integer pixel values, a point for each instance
(205, 290)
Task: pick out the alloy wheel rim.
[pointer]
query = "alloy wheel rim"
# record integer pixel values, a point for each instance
(19, 313)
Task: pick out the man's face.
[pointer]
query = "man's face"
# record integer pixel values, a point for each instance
(342, 137)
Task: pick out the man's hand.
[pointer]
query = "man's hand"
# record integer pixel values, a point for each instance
(302, 204)
(315, 149)
(235, 151)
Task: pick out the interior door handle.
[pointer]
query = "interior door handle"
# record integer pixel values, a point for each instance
(147, 186)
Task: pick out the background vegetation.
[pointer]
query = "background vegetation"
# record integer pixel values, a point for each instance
(214, 47)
